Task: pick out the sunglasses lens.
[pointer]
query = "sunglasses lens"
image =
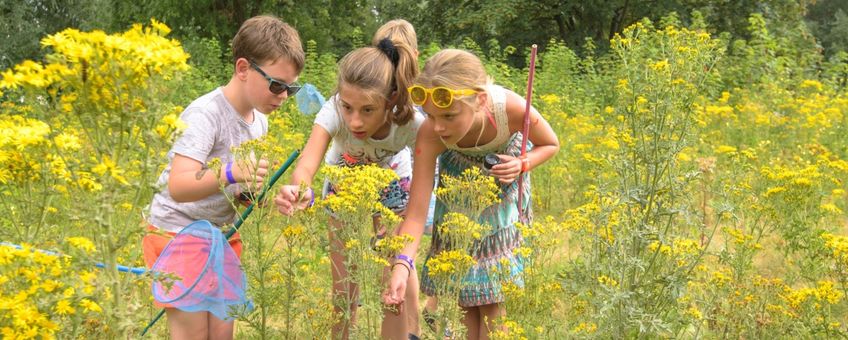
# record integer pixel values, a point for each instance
(418, 95)
(276, 87)
(442, 97)
(293, 89)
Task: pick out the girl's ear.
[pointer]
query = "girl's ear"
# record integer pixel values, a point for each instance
(392, 101)
(482, 99)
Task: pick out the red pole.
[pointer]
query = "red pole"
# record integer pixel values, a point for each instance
(526, 127)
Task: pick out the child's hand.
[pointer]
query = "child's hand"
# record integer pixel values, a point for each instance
(251, 171)
(291, 198)
(507, 170)
(396, 290)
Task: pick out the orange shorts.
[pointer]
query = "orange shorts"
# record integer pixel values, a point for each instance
(156, 240)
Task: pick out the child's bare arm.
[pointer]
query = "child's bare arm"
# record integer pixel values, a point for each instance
(289, 196)
(543, 137)
(190, 181)
(311, 156)
(428, 147)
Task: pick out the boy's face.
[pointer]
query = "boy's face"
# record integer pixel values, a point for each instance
(363, 115)
(257, 86)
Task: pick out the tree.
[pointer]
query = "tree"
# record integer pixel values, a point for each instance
(24, 23)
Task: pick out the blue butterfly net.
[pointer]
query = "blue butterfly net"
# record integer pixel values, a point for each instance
(209, 277)
(309, 99)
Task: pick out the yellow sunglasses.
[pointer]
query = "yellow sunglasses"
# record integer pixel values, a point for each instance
(442, 96)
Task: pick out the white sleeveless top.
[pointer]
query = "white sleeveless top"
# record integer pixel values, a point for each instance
(497, 95)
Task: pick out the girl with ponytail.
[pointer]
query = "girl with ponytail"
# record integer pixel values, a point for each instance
(370, 120)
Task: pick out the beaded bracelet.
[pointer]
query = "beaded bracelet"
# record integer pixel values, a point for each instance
(408, 271)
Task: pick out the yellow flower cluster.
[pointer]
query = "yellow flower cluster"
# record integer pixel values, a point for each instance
(825, 292)
(82, 243)
(585, 327)
(838, 246)
(92, 57)
(292, 231)
(38, 292)
(469, 193)
(447, 265)
(739, 237)
(512, 330)
(392, 245)
(357, 190)
(460, 231)
(22, 140)
(170, 124)
(546, 233)
(792, 182)
(679, 247)
(607, 281)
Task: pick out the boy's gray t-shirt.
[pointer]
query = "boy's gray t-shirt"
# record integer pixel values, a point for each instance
(213, 127)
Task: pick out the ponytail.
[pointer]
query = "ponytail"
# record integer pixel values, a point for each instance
(385, 70)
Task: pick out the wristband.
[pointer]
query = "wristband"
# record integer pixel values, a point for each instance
(407, 259)
(408, 272)
(311, 200)
(525, 163)
(229, 172)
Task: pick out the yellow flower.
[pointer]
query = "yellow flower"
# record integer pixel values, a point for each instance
(694, 313)
(87, 276)
(831, 208)
(63, 307)
(470, 192)
(162, 28)
(607, 281)
(811, 84)
(90, 306)
(293, 231)
(660, 66)
(82, 243)
(449, 263)
(722, 149)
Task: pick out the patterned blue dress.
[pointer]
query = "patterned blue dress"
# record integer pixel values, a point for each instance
(480, 285)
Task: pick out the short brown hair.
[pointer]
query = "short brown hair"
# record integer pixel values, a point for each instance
(267, 38)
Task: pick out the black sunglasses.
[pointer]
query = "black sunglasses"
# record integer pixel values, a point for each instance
(276, 86)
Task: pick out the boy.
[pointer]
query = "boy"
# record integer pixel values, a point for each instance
(268, 57)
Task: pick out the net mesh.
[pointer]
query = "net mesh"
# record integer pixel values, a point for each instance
(207, 273)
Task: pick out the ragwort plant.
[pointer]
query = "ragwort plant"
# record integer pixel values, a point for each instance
(466, 197)
(280, 253)
(356, 200)
(641, 233)
(95, 126)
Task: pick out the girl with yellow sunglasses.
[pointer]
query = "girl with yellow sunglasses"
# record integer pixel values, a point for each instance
(467, 118)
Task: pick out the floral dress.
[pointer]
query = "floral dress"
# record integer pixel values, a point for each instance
(495, 251)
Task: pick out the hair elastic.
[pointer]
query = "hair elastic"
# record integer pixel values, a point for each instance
(388, 47)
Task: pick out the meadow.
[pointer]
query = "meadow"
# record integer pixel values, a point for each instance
(699, 191)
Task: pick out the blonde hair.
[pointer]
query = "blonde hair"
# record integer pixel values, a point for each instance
(267, 38)
(397, 30)
(372, 70)
(455, 69)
